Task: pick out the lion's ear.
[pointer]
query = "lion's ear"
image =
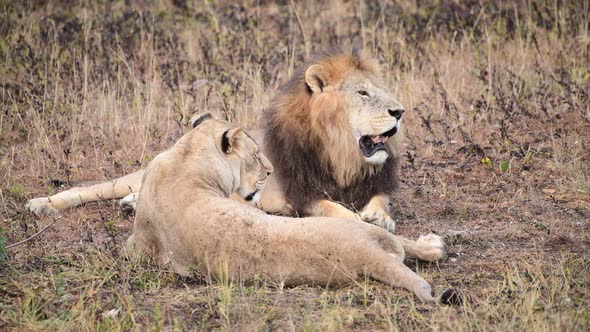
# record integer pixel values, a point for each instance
(316, 77)
(229, 140)
(199, 118)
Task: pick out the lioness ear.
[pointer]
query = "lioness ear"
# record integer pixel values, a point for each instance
(229, 140)
(199, 118)
(316, 77)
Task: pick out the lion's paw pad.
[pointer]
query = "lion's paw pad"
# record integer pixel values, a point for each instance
(41, 206)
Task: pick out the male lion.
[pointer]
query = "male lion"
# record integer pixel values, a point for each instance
(184, 217)
(328, 133)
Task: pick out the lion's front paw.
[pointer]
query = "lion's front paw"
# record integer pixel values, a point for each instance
(435, 248)
(41, 206)
(379, 218)
(128, 203)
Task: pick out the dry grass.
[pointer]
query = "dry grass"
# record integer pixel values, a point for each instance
(92, 91)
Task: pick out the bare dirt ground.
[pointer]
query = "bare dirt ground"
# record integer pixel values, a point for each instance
(496, 155)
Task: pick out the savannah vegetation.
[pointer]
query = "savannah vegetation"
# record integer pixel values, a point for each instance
(496, 155)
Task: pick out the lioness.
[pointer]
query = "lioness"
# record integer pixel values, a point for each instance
(329, 133)
(184, 217)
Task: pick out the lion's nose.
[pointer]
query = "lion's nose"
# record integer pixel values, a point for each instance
(396, 113)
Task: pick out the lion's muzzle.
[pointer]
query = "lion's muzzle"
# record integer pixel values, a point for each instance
(370, 144)
(396, 113)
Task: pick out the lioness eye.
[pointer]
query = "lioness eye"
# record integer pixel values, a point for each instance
(363, 93)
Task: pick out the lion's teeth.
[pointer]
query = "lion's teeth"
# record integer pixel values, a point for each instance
(379, 139)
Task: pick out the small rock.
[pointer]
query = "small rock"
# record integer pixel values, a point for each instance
(111, 313)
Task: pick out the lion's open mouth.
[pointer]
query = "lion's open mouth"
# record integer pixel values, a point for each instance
(370, 144)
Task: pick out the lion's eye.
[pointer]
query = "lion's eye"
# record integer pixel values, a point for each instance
(363, 93)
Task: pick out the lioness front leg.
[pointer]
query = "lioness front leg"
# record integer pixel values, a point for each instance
(76, 196)
(327, 208)
(377, 212)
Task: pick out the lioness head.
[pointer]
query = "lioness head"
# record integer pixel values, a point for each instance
(254, 168)
(248, 165)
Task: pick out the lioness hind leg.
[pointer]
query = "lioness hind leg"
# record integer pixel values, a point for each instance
(76, 196)
(430, 247)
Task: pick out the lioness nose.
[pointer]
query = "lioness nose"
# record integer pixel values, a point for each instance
(396, 113)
